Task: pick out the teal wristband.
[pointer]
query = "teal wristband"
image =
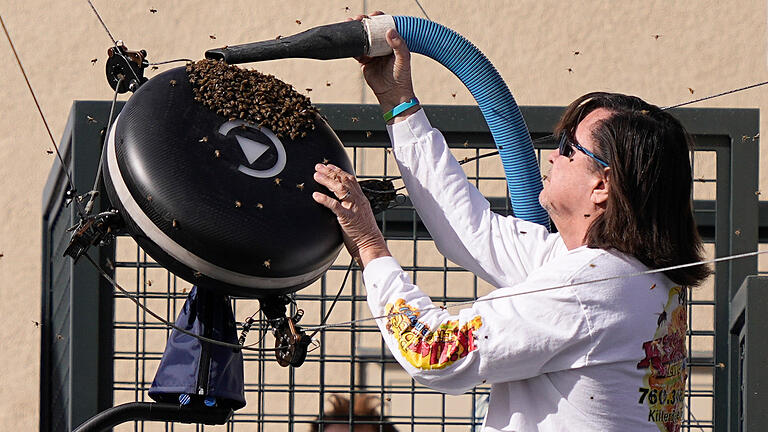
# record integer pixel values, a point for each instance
(396, 111)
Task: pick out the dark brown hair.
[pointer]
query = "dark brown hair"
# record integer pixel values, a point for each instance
(363, 411)
(649, 213)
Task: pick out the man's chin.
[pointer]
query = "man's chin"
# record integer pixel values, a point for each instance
(545, 203)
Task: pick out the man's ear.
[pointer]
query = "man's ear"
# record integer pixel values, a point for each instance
(601, 188)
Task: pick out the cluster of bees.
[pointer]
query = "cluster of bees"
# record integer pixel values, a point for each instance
(251, 96)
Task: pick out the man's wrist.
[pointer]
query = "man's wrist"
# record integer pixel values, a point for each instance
(404, 115)
(389, 101)
(373, 251)
(389, 107)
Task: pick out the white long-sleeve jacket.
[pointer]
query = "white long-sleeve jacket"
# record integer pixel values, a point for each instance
(568, 341)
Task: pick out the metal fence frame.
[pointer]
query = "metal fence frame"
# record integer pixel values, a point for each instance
(747, 322)
(78, 307)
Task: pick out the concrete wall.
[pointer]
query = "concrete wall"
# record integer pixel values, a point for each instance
(549, 53)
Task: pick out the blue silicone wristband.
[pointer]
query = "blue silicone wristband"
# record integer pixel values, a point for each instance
(394, 112)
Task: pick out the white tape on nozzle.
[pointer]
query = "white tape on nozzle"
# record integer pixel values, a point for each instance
(377, 27)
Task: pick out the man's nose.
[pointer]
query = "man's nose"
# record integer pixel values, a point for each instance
(552, 155)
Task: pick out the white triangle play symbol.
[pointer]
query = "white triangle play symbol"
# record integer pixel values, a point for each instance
(252, 149)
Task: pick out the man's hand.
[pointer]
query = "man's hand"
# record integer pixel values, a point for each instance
(390, 76)
(353, 211)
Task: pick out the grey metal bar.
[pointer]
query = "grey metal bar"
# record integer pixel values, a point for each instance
(86, 330)
(744, 201)
(748, 326)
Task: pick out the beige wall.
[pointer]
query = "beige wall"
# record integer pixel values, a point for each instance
(705, 46)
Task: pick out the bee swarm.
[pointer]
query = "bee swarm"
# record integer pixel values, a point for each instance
(251, 96)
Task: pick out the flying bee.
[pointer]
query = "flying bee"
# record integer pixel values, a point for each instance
(93, 61)
(662, 318)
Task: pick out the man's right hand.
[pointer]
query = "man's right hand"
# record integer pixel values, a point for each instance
(390, 76)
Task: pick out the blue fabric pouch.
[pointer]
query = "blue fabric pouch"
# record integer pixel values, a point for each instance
(200, 373)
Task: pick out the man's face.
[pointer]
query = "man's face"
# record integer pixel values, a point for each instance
(568, 187)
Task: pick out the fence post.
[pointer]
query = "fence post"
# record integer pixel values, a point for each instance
(749, 325)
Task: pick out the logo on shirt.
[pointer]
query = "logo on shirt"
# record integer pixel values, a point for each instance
(427, 349)
(665, 360)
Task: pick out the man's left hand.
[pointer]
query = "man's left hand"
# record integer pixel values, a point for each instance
(353, 211)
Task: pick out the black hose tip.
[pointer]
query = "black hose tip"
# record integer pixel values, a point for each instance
(216, 54)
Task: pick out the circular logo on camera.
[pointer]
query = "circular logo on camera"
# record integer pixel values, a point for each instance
(263, 151)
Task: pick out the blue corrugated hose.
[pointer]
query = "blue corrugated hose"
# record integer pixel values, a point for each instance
(496, 103)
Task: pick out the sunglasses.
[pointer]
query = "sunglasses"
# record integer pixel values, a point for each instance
(567, 145)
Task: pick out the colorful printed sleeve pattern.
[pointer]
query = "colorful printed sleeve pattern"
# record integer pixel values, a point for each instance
(665, 362)
(506, 339)
(425, 348)
(501, 250)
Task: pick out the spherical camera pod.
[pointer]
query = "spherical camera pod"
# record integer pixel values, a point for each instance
(223, 204)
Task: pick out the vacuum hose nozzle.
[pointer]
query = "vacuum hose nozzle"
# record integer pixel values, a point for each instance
(332, 41)
(469, 64)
